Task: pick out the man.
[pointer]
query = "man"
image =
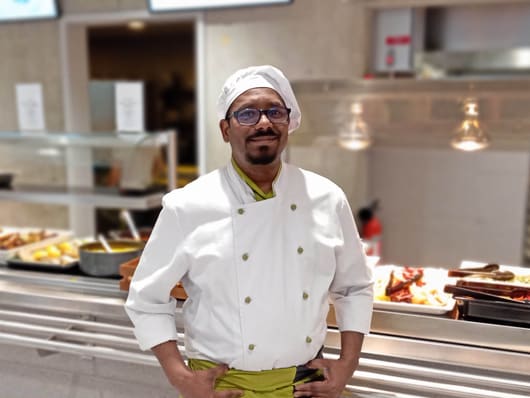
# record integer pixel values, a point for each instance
(259, 246)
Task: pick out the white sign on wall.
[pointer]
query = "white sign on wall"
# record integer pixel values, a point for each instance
(184, 5)
(129, 106)
(30, 108)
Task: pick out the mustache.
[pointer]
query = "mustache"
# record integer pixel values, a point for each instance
(263, 133)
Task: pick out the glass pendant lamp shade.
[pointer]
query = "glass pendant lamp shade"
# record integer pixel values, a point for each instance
(355, 135)
(469, 136)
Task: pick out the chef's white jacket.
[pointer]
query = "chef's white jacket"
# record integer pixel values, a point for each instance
(258, 274)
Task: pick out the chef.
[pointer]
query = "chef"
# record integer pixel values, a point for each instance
(260, 246)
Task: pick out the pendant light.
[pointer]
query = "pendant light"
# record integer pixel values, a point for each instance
(355, 135)
(469, 136)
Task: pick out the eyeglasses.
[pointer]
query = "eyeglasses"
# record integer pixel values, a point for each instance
(251, 116)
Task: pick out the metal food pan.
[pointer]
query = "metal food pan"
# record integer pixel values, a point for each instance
(512, 314)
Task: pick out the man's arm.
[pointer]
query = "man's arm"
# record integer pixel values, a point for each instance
(189, 383)
(350, 347)
(172, 363)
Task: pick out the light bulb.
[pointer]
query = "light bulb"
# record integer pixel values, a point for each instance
(355, 135)
(469, 136)
(136, 25)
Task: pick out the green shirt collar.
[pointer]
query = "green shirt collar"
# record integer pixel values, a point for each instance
(258, 193)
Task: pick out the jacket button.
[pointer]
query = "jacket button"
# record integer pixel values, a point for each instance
(245, 256)
(300, 250)
(305, 295)
(240, 211)
(293, 207)
(251, 347)
(308, 339)
(248, 300)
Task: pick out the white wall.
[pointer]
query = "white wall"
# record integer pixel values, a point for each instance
(439, 206)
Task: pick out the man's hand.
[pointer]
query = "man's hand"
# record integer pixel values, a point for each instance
(201, 383)
(190, 383)
(336, 374)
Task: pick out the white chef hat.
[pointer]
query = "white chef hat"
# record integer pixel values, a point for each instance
(254, 77)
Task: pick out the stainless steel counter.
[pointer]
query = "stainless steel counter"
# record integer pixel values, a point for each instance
(405, 355)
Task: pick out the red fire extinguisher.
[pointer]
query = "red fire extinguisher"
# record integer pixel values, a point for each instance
(371, 230)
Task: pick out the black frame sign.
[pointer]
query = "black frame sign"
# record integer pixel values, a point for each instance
(193, 5)
(28, 10)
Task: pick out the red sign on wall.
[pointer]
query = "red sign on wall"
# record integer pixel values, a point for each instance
(397, 40)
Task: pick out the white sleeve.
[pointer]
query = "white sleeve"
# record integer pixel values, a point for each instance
(162, 265)
(351, 290)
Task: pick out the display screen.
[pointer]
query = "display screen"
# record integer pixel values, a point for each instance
(22, 10)
(185, 5)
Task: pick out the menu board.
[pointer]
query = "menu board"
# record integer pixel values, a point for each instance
(20, 10)
(186, 5)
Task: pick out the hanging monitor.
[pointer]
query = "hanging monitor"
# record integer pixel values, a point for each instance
(190, 5)
(24, 10)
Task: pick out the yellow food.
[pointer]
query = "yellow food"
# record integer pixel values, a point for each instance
(39, 255)
(53, 251)
(59, 254)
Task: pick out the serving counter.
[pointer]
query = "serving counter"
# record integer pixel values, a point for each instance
(68, 336)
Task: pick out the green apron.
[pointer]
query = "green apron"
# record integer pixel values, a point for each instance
(274, 383)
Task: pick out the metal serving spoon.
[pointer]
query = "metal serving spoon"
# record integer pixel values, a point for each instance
(104, 243)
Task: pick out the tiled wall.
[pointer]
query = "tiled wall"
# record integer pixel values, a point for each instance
(311, 39)
(29, 52)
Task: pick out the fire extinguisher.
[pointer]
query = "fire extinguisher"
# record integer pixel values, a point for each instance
(371, 230)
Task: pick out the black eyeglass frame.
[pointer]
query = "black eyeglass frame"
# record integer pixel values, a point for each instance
(261, 112)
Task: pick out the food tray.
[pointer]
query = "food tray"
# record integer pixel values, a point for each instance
(40, 266)
(55, 235)
(512, 314)
(435, 278)
(415, 308)
(24, 259)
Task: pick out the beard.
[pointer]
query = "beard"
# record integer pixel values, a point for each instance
(266, 154)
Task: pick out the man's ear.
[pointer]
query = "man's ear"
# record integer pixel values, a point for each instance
(225, 127)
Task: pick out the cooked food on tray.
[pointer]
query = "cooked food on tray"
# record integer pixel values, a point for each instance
(13, 240)
(410, 285)
(59, 253)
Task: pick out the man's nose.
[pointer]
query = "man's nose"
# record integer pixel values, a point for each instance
(263, 119)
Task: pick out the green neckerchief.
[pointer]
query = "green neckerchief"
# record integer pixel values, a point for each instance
(258, 193)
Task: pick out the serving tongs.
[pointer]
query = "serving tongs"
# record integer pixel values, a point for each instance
(488, 271)
(459, 291)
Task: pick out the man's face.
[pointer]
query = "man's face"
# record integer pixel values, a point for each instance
(262, 143)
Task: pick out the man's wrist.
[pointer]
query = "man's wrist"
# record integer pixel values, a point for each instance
(179, 376)
(352, 361)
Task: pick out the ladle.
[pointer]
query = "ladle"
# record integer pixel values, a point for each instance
(104, 243)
